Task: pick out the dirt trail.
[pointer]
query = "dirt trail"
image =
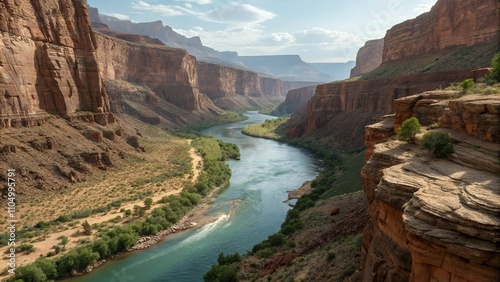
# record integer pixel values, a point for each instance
(75, 234)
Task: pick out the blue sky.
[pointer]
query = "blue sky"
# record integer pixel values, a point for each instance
(318, 31)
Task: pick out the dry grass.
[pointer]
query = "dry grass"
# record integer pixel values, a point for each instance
(146, 174)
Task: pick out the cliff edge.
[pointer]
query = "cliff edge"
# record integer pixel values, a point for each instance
(434, 219)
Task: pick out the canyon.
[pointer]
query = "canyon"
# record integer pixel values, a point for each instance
(434, 219)
(369, 57)
(408, 66)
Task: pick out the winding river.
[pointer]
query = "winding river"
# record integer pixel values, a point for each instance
(259, 182)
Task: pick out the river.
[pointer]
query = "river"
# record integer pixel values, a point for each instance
(259, 182)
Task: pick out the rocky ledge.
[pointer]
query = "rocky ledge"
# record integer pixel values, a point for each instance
(435, 219)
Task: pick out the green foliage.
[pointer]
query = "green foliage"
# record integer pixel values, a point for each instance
(87, 229)
(147, 203)
(466, 85)
(495, 63)
(191, 131)
(267, 129)
(76, 260)
(48, 267)
(28, 248)
(64, 241)
(409, 129)
(30, 273)
(439, 143)
(225, 270)
(229, 259)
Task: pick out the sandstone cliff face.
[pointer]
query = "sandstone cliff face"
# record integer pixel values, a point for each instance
(369, 98)
(434, 219)
(369, 57)
(168, 72)
(47, 61)
(236, 88)
(296, 101)
(449, 23)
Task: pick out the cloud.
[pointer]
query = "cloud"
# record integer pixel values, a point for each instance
(238, 14)
(314, 45)
(200, 2)
(118, 16)
(165, 10)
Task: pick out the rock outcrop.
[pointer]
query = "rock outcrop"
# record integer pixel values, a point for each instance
(296, 101)
(369, 57)
(232, 88)
(462, 36)
(354, 104)
(449, 23)
(434, 219)
(47, 61)
(170, 73)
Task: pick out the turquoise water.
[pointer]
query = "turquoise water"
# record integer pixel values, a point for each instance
(267, 169)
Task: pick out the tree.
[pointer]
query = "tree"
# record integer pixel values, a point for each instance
(30, 273)
(48, 267)
(64, 241)
(439, 143)
(409, 129)
(138, 211)
(87, 229)
(466, 85)
(495, 63)
(148, 203)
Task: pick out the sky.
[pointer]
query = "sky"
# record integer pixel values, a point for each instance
(318, 31)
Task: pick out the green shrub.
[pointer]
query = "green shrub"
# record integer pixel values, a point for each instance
(439, 143)
(495, 63)
(87, 229)
(467, 85)
(409, 129)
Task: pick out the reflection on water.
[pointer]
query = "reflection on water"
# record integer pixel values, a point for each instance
(259, 182)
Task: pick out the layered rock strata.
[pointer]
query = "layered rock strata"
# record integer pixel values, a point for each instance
(168, 72)
(449, 23)
(434, 219)
(236, 88)
(369, 57)
(296, 101)
(367, 98)
(47, 61)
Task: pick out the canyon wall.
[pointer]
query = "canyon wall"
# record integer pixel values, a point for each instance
(369, 57)
(368, 99)
(446, 29)
(231, 88)
(434, 219)
(170, 73)
(449, 23)
(296, 101)
(47, 61)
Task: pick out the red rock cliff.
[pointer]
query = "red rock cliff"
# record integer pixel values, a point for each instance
(47, 60)
(449, 23)
(435, 219)
(356, 103)
(170, 73)
(296, 100)
(369, 57)
(230, 87)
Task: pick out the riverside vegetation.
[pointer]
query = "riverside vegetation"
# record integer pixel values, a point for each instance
(339, 177)
(117, 239)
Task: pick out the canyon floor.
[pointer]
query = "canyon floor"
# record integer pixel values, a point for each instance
(154, 173)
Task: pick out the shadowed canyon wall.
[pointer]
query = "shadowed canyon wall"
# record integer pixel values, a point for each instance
(169, 72)
(231, 88)
(47, 60)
